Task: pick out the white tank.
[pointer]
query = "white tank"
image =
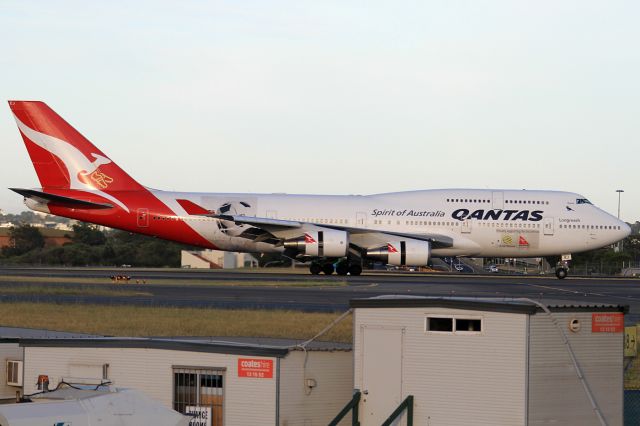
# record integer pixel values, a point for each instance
(79, 407)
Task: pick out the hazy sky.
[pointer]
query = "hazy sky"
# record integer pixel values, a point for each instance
(336, 97)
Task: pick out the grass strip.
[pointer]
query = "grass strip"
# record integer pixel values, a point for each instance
(172, 281)
(164, 321)
(59, 290)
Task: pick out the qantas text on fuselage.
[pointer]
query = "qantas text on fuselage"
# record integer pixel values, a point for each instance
(332, 232)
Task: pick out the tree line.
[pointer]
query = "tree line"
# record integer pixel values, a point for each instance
(90, 246)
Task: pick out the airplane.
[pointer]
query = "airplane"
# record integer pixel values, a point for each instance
(334, 233)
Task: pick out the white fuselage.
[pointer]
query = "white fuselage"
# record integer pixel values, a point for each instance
(482, 223)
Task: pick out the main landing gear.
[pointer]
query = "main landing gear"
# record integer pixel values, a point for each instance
(341, 268)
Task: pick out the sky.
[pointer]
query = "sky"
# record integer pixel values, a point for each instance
(336, 97)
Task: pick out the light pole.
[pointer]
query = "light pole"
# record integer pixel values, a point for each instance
(619, 191)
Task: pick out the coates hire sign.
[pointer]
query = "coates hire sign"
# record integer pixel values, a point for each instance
(255, 367)
(607, 323)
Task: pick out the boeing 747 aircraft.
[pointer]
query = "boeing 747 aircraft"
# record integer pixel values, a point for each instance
(79, 181)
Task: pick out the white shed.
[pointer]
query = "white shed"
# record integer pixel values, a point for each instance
(488, 361)
(221, 381)
(11, 356)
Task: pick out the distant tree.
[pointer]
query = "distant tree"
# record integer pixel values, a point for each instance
(88, 234)
(23, 239)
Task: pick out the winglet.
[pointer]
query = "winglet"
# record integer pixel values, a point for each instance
(192, 208)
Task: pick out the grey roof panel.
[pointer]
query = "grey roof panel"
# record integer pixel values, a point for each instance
(167, 344)
(509, 305)
(39, 333)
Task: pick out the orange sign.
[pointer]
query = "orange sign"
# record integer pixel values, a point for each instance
(607, 323)
(255, 367)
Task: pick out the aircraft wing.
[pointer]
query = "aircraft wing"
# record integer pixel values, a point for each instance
(361, 237)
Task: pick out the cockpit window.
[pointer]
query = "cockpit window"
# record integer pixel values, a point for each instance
(582, 201)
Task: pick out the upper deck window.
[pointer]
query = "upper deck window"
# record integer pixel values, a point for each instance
(582, 201)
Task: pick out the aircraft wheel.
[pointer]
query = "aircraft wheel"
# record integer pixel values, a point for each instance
(355, 269)
(561, 273)
(315, 268)
(327, 268)
(342, 268)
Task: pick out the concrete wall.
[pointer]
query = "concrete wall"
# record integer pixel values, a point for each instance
(556, 395)
(247, 401)
(456, 379)
(333, 374)
(8, 351)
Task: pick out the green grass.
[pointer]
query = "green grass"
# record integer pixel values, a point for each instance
(59, 290)
(166, 281)
(164, 321)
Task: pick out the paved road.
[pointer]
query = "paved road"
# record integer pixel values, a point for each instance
(208, 289)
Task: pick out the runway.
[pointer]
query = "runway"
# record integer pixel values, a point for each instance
(301, 291)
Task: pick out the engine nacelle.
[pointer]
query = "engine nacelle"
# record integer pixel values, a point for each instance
(329, 243)
(401, 253)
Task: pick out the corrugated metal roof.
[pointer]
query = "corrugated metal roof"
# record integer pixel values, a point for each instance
(512, 305)
(230, 345)
(39, 333)
(292, 344)
(219, 344)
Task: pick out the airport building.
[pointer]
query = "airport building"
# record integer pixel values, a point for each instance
(460, 361)
(222, 381)
(438, 361)
(216, 259)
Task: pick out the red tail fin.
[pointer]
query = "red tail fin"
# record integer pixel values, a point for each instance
(62, 157)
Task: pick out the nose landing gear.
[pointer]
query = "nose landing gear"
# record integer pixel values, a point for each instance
(561, 273)
(562, 267)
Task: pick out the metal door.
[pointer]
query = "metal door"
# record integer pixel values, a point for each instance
(361, 220)
(497, 200)
(381, 373)
(143, 218)
(547, 224)
(272, 214)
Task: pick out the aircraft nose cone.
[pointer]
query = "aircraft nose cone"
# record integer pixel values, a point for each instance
(625, 229)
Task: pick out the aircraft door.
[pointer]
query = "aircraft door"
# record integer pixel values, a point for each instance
(466, 226)
(361, 220)
(272, 214)
(143, 218)
(547, 225)
(497, 200)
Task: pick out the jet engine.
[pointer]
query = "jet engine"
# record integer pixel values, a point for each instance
(328, 243)
(401, 253)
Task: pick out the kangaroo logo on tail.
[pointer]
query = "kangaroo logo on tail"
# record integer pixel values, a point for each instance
(96, 177)
(84, 174)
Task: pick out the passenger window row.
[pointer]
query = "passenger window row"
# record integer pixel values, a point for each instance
(476, 200)
(589, 227)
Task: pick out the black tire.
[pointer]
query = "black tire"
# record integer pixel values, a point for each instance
(355, 269)
(561, 273)
(328, 268)
(342, 268)
(315, 269)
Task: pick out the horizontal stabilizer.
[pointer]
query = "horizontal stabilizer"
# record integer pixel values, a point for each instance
(60, 200)
(193, 209)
